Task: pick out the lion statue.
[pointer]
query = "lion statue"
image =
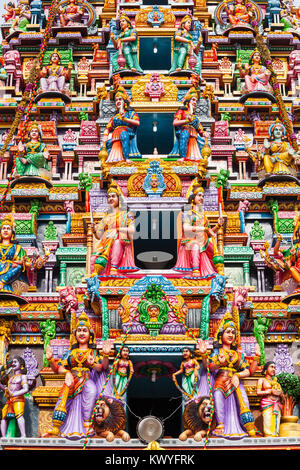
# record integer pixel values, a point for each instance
(109, 419)
(196, 418)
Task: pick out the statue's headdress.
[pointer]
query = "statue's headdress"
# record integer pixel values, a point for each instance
(123, 16)
(256, 51)
(227, 322)
(120, 91)
(184, 19)
(55, 51)
(275, 124)
(83, 320)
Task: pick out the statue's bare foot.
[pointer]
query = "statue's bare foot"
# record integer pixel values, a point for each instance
(219, 430)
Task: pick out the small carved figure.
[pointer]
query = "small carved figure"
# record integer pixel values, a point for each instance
(238, 13)
(127, 47)
(71, 14)
(14, 391)
(185, 49)
(121, 377)
(14, 262)
(34, 155)
(256, 75)
(10, 14)
(270, 391)
(197, 244)
(189, 369)
(53, 77)
(122, 127)
(189, 133)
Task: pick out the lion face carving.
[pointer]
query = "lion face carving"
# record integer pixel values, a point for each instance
(197, 416)
(205, 411)
(109, 419)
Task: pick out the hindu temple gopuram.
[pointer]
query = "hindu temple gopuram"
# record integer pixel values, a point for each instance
(150, 224)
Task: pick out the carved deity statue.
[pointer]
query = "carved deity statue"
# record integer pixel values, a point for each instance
(34, 155)
(114, 254)
(190, 137)
(197, 246)
(255, 74)
(127, 47)
(71, 15)
(53, 77)
(185, 50)
(122, 127)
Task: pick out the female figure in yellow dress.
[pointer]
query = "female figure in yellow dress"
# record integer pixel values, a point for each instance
(228, 362)
(114, 254)
(271, 395)
(85, 374)
(279, 156)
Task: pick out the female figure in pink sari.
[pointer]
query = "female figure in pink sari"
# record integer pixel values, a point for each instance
(197, 245)
(255, 74)
(114, 254)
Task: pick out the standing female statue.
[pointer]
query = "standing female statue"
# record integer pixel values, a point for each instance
(184, 47)
(127, 45)
(189, 368)
(233, 416)
(85, 374)
(189, 133)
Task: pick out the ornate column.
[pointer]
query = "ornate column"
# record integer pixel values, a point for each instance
(5, 338)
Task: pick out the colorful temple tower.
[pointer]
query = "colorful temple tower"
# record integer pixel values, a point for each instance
(149, 219)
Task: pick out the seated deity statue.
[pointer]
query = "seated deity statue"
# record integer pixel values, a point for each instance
(197, 245)
(256, 75)
(278, 156)
(238, 13)
(53, 77)
(122, 127)
(114, 254)
(14, 262)
(72, 14)
(189, 133)
(34, 156)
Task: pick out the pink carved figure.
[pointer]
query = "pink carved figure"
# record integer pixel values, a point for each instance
(240, 297)
(244, 206)
(68, 299)
(11, 12)
(155, 88)
(255, 74)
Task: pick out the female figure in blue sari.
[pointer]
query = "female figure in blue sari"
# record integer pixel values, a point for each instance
(122, 127)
